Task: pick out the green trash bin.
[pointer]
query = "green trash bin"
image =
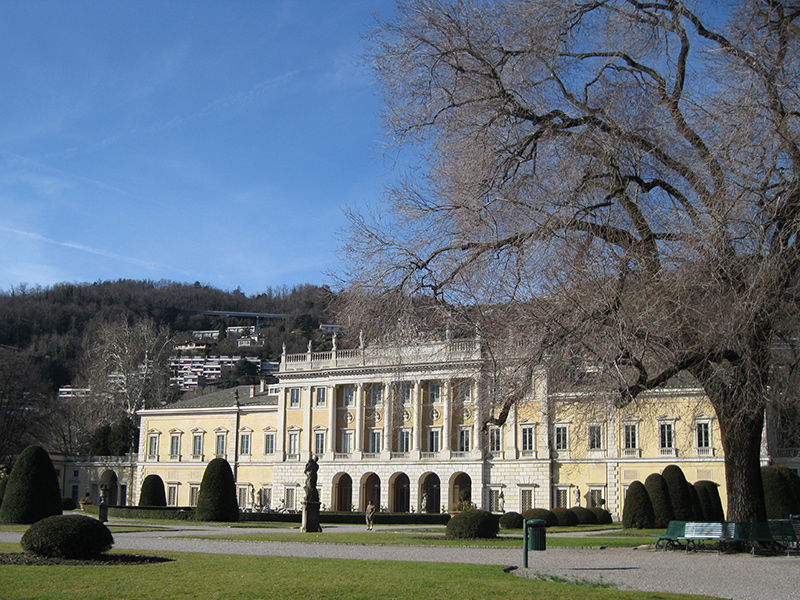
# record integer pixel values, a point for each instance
(537, 539)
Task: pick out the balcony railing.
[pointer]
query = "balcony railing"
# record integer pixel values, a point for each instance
(632, 452)
(667, 452)
(708, 451)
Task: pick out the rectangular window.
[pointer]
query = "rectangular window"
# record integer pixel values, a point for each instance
(631, 436)
(76, 474)
(406, 391)
(375, 440)
(434, 393)
(560, 498)
(289, 493)
(348, 395)
(704, 435)
(294, 443)
(266, 497)
(562, 437)
(495, 440)
(194, 494)
(433, 440)
(197, 445)
(376, 394)
(319, 442)
(528, 439)
(525, 500)
(494, 500)
(321, 395)
(219, 448)
(347, 442)
(595, 499)
(269, 443)
(241, 496)
(665, 436)
(152, 446)
(244, 444)
(404, 441)
(465, 392)
(595, 437)
(294, 398)
(463, 440)
(172, 494)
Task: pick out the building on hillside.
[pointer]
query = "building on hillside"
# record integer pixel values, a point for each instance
(402, 427)
(189, 372)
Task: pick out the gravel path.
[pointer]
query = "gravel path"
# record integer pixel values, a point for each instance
(739, 577)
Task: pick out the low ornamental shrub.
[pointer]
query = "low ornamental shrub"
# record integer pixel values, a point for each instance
(656, 487)
(585, 516)
(67, 536)
(566, 517)
(638, 510)
(541, 514)
(68, 503)
(32, 492)
(679, 496)
(153, 492)
(511, 520)
(603, 516)
(472, 524)
(710, 502)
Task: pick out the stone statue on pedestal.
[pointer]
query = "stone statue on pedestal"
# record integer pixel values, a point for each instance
(311, 503)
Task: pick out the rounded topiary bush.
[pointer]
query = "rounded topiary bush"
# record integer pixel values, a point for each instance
(566, 517)
(67, 536)
(32, 492)
(585, 516)
(697, 511)
(679, 496)
(511, 520)
(541, 514)
(602, 515)
(779, 492)
(68, 503)
(710, 502)
(638, 510)
(472, 524)
(656, 487)
(217, 498)
(153, 492)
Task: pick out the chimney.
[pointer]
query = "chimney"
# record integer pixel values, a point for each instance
(252, 391)
(263, 386)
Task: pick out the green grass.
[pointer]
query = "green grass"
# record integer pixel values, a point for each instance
(257, 577)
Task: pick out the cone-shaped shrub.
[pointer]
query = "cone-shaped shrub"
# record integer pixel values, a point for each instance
(541, 514)
(710, 502)
(657, 489)
(511, 520)
(638, 510)
(32, 491)
(3, 483)
(697, 511)
(585, 516)
(679, 496)
(603, 516)
(217, 498)
(472, 524)
(67, 536)
(779, 492)
(153, 492)
(566, 517)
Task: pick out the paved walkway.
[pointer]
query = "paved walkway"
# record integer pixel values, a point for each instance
(739, 577)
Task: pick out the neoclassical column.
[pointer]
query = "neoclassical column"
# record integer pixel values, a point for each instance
(388, 413)
(307, 435)
(447, 421)
(359, 441)
(280, 434)
(330, 443)
(477, 419)
(416, 444)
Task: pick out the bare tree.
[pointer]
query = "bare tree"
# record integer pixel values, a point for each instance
(611, 180)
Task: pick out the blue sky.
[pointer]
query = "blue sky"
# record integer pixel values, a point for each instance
(183, 140)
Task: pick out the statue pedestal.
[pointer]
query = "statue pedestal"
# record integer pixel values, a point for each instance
(310, 521)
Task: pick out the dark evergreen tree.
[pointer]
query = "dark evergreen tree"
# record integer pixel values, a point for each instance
(679, 496)
(152, 492)
(697, 510)
(638, 510)
(710, 502)
(779, 492)
(657, 489)
(32, 492)
(217, 498)
(3, 484)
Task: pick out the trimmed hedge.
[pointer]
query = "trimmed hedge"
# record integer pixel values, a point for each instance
(638, 510)
(566, 517)
(657, 489)
(710, 502)
(697, 511)
(511, 520)
(542, 514)
(780, 492)
(32, 492)
(3, 484)
(67, 536)
(68, 503)
(585, 516)
(679, 496)
(472, 524)
(603, 516)
(217, 498)
(153, 493)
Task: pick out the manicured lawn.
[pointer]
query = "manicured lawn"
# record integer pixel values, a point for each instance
(256, 577)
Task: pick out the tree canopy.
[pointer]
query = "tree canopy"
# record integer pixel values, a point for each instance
(613, 181)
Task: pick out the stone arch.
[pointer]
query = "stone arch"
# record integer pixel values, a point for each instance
(370, 490)
(429, 493)
(399, 493)
(109, 485)
(342, 492)
(460, 488)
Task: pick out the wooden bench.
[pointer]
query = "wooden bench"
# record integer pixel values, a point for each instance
(778, 531)
(673, 536)
(694, 534)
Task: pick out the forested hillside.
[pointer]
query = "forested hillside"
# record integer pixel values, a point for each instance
(50, 325)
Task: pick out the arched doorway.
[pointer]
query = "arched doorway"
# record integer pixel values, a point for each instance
(401, 493)
(462, 489)
(372, 491)
(109, 484)
(429, 494)
(343, 492)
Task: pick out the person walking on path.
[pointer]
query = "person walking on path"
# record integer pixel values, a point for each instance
(370, 515)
